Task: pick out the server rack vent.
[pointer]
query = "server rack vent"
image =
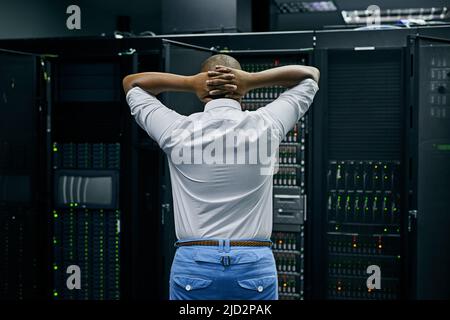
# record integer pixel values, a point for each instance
(364, 105)
(88, 82)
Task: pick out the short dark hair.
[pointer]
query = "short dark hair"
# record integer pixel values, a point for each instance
(220, 59)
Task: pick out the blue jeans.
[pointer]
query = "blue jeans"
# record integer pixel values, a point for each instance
(223, 273)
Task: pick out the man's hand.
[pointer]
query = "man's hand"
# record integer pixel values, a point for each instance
(202, 86)
(157, 82)
(286, 76)
(228, 82)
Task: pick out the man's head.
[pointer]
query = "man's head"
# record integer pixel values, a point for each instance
(220, 59)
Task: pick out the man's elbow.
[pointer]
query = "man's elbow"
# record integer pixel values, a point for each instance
(315, 74)
(128, 83)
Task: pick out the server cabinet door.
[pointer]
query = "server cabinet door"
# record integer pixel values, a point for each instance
(357, 179)
(20, 178)
(93, 195)
(182, 59)
(430, 158)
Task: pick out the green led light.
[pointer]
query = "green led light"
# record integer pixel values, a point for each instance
(385, 229)
(55, 241)
(398, 257)
(55, 149)
(55, 294)
(55, 215)
(55, 267)
(442, 147)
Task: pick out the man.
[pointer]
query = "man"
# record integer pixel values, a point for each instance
(222, 194)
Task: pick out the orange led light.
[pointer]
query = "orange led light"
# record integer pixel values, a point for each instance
(354, 245)
(339, 288)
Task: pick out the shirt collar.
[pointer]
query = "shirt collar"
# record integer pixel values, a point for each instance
(222, 102)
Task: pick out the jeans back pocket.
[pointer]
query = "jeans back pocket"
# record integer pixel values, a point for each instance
(258, 284)
(191, 283)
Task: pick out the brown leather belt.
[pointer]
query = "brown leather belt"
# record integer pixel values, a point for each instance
(233, 243)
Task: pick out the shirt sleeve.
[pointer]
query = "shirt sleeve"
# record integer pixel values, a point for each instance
(290, 106)
(151, 115)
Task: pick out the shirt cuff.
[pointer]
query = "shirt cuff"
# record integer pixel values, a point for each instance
(132, 90)
(310, 82)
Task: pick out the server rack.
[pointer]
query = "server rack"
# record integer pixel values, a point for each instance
(23, 231)
(428, 166)
(290, 182)
(86, 127)
(360, 181)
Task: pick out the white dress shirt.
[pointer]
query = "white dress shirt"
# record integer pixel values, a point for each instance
(214, 194)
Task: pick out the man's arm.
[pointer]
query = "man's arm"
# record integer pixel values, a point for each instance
(157, 82)
(286, 76)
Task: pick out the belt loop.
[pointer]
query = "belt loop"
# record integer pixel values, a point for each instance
(227, 245)
(220, 245)
(225, 260)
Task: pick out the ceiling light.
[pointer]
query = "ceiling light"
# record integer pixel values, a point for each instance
(392, 15)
